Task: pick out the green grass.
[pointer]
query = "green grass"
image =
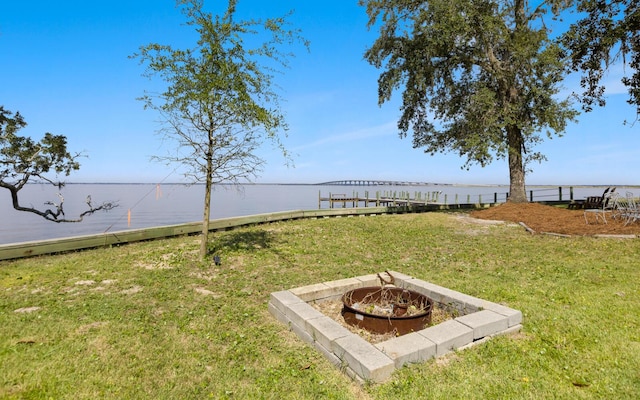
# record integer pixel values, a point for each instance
(149, 321)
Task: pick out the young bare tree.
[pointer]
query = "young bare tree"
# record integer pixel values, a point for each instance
(22, 160)
(220, 104)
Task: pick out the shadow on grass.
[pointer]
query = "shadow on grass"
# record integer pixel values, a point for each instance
(248, 241)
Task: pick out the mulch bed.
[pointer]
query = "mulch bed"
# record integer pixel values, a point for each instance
(543, 218)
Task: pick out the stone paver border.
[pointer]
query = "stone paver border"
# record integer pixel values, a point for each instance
(479, 320)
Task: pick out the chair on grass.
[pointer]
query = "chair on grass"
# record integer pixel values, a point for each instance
(606, 204)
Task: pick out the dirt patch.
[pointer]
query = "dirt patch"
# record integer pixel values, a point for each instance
(26, 309)
(133, 290)
(84, 329)
(207, 292)
(550, 219)
(154, 265)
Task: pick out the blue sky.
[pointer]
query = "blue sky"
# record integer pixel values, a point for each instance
(66, 69)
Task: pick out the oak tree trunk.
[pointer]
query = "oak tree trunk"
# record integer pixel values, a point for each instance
(517, 192)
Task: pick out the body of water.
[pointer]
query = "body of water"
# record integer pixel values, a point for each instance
(148, 205)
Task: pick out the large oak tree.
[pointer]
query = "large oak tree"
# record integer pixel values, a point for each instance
(478, 77)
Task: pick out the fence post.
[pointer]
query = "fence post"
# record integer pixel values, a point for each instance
(531, 196)
(559, 193)
(495, 197)
(571, 193)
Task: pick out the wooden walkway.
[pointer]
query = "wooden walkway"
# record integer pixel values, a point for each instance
(394, 199)
(354, 202)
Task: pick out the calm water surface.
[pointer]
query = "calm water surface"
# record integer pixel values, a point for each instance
(168, 204)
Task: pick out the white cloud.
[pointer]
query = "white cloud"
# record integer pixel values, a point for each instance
(614, 86)
(387, 129)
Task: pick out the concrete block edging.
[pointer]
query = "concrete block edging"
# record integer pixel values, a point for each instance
(478, 320)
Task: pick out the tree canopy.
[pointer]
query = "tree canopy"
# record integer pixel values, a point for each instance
(23, 160)
(607, 32)
(220, 103)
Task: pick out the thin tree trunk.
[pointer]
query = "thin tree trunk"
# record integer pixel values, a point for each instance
(205, 220)
(207, 212)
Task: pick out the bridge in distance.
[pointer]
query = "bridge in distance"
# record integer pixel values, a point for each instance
(374, 182)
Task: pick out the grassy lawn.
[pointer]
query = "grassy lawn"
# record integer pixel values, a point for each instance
(149, 321)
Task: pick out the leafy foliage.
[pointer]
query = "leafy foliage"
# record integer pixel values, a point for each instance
(23, 160)
(220, 103)
(609, 32)
(478, 77)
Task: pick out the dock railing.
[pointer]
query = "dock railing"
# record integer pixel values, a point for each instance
(394, 198)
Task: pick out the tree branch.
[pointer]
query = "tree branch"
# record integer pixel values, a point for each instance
(55, 213)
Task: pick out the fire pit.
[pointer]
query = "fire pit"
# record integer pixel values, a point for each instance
(387, 309)
(479, 321)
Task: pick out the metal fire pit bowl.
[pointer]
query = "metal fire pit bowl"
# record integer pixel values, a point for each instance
(358, 304)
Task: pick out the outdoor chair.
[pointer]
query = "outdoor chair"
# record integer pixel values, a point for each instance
(599, 209)
(595, 202)
(630, 212)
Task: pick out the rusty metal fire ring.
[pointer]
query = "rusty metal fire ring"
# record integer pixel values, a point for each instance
(357, 311)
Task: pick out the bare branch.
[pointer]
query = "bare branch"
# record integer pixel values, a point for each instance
(56, 212)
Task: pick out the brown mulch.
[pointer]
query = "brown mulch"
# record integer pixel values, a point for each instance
(549, 219)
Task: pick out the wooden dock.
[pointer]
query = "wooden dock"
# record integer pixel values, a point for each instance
(394, 199)
(354, 202)
(433, 198)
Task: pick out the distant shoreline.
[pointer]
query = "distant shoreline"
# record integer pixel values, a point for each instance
(354, 185)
